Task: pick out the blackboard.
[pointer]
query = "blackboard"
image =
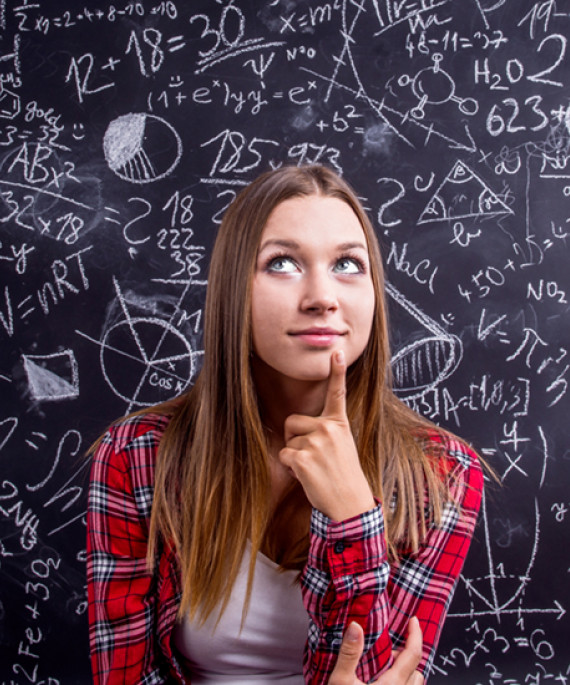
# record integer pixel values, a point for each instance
(125, 131)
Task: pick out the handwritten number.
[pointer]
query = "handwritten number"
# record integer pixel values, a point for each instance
(68, 21)
(12, 493)
(12, 205)
(240, 29)
(496, 123)
(20, 669)
(22, 16)
(220, 34)
(217, 218)
(542, 648)
(186, 245)
(82, 80)
(185, 204)
(153, 38)
(10, 130)
(163, 233)
(511, 128)
(535, 101)
(207, 31)
(538, 78)
(143, 215)
(29, 201)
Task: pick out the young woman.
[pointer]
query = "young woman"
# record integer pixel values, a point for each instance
(236, 532)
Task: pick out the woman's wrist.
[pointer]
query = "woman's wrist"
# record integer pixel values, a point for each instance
(343, 511)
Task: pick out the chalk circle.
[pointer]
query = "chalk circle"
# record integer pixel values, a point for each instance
(146, 360)
(435, 86)
(141, 148)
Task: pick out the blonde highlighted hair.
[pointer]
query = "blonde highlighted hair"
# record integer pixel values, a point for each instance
(213, 471)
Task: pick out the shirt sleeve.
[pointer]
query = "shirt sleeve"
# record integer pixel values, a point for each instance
(120, 587)
(423, 584)
(348, 578)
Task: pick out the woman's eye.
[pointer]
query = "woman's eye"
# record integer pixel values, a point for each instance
(282, 265)
(348, 265)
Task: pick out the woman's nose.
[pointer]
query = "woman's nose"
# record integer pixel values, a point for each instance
(319, 294)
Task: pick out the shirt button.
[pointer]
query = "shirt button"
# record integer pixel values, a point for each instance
(339, 547)
(330, 637)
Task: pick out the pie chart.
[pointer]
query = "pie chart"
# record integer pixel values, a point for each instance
(141, 148)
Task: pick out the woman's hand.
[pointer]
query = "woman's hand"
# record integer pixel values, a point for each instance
(321, 453)
(402, 672)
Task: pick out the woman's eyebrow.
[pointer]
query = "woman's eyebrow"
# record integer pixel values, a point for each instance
(353, 246)
(290, 244)
(293, 245)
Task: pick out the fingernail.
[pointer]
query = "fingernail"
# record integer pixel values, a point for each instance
(352, 632)
(340, 356)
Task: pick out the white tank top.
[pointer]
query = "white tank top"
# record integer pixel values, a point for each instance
(269, 648)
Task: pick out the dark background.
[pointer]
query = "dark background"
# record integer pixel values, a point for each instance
(126, 129)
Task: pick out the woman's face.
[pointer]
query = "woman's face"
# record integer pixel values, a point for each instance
(312, 290)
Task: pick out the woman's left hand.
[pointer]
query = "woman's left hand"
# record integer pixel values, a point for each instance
(321, 453)
(403, 670)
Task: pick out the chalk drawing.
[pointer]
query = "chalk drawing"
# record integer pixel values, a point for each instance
(144, 357)
(434, 86)
(357, 24)
(423, 364)
(141, 148)
(461, 195)
(167, 362)
(9, 104)
(501, 592)
(52, 376)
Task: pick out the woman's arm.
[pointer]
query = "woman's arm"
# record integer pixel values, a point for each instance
(349, 582)
(347, 576)
(345, 580)
(423, 584)
(121, 590)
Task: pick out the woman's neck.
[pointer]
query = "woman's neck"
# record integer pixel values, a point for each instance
(279, 397)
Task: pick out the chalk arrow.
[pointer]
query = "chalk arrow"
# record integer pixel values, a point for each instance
(561, 609)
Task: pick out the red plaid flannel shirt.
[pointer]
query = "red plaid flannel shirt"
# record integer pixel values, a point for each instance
(347, 576)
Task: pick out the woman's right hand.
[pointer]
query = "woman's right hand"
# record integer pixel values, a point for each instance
(403, 670)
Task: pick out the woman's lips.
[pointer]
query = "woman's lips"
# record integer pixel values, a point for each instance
(318, 337)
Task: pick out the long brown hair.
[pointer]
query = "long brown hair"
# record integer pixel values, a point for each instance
(212, 475)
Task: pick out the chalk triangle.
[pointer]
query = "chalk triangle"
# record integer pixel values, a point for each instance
(462, 194)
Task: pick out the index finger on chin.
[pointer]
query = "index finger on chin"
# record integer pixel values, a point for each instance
(335, 400)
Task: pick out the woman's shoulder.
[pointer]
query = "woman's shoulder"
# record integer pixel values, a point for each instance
(132, 441)
(136, 427)
(123, 470)
(455, 457)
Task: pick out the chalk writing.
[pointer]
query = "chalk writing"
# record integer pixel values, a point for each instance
(126, 130)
